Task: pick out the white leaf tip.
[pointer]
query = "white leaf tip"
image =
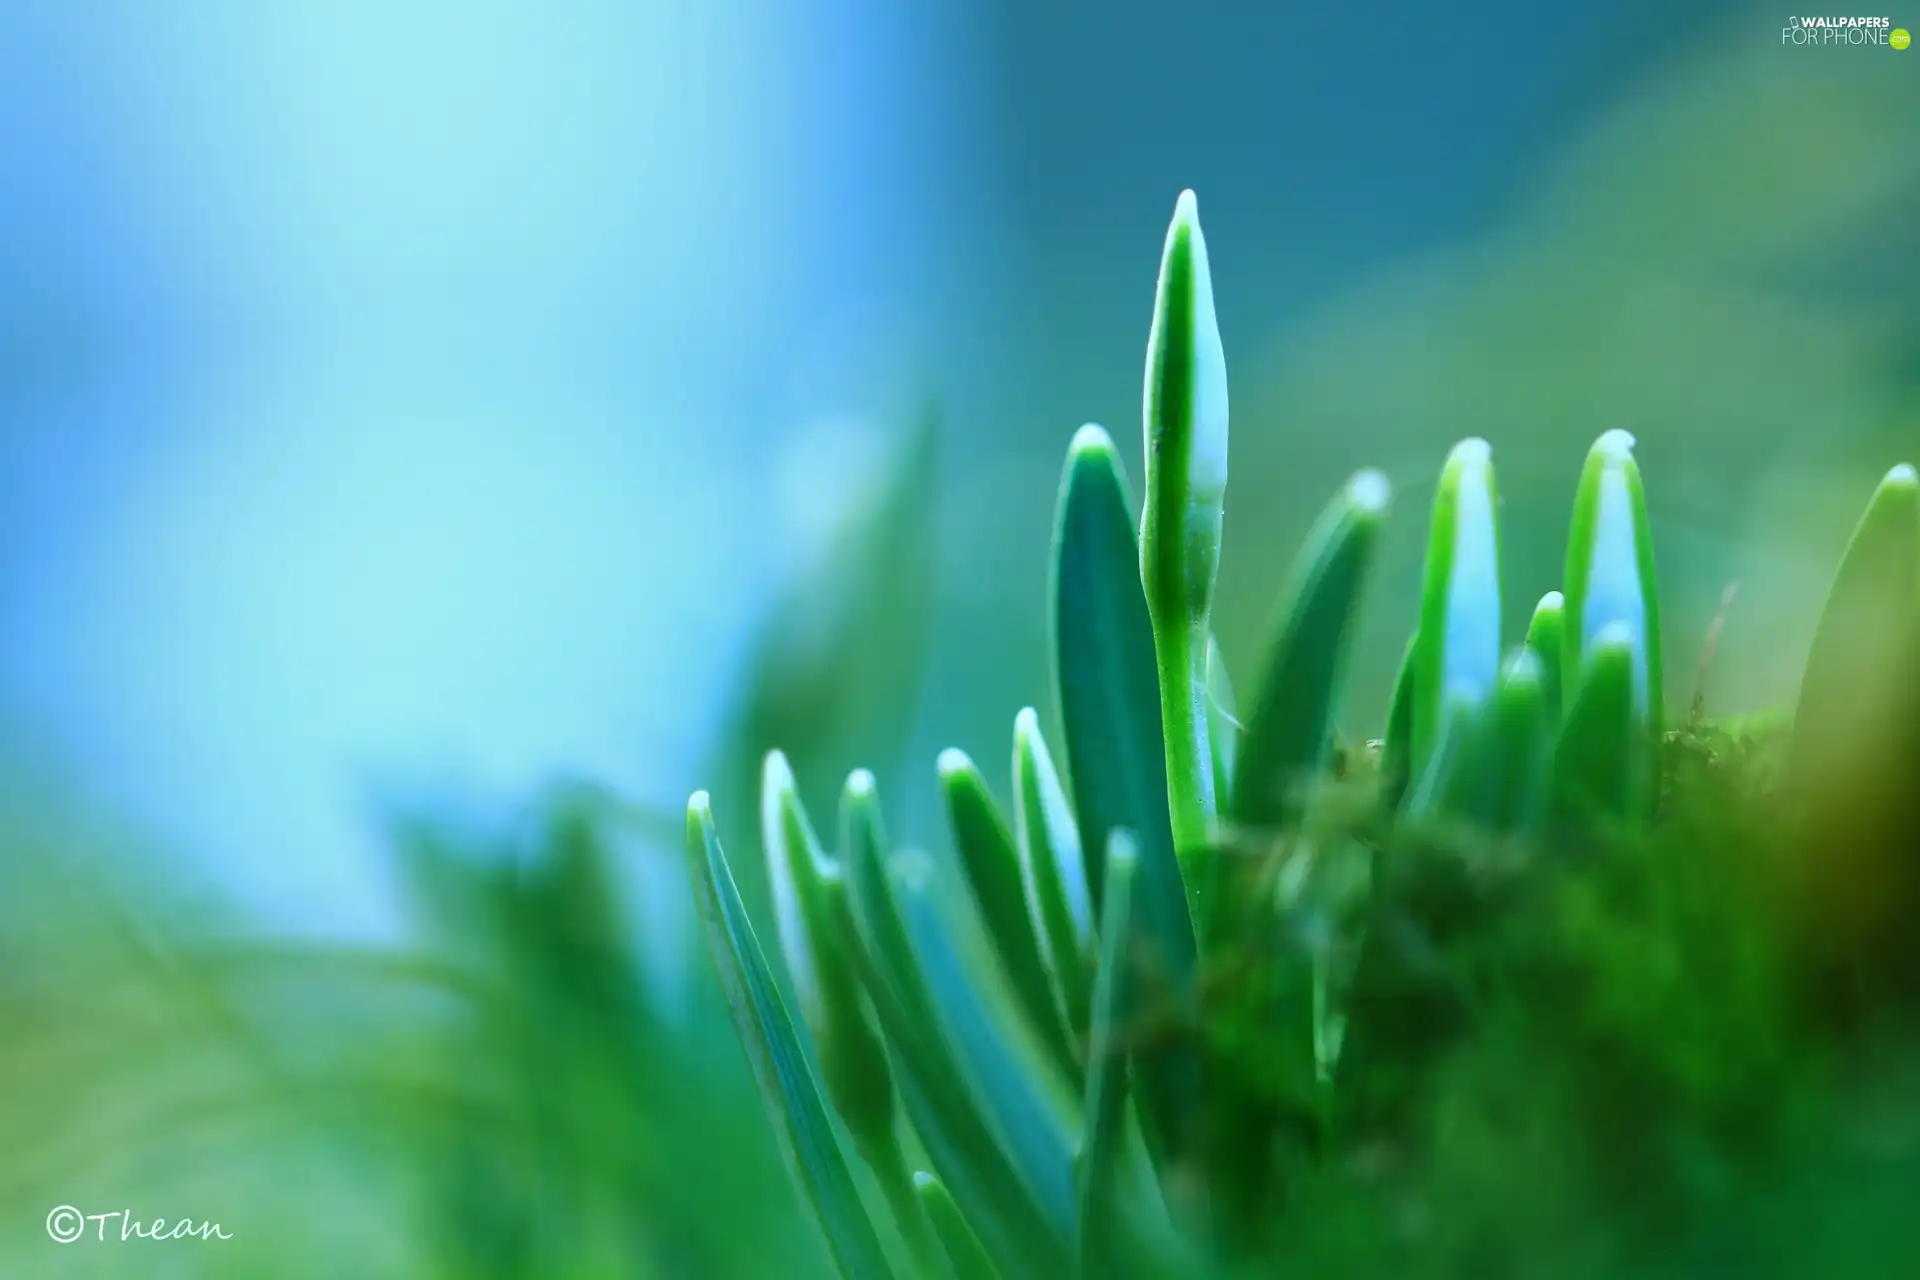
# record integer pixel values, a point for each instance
(1370, 491)
(1614, 635)
(1091, 438)
(1616, 445)
(776, 772)
(1473, 451)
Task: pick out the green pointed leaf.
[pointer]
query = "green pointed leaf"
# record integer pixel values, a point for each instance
(1289, 730)
(991, 860)
(1610, 581)
(779, 1065)
(1546, 641)
(1104, 672)
(1053, 873)
(1115, 1010)
(1103, 663)
(1601, 766)
(1459, 636)
(998, 1053)
(1434, 792)
(966, 1257)
(1501, 783)
(815, 926)
(948, 1115)
(1861, 671)
(1396, 747)
(1185, 425)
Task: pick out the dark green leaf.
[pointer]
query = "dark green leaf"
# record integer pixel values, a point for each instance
(991, 860)
(1110, 704)
(787, 1087)
(1289, 729)
(965, 1256)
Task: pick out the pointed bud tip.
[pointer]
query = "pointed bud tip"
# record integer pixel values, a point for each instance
(1026, 724)
(1551, 602)
(1473, 451)
(1615, 635)
(1090, 439)
(860, 784)
(923, 1180)
(775, 772)
(1902, 477)
(952, 763)
(1615, 446)
(1187, 207)
(1370, 492)
(699, 805)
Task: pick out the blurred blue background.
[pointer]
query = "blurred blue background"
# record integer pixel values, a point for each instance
(407, 391)
(437, 397)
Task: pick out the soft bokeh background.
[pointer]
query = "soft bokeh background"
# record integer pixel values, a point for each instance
(404, 409)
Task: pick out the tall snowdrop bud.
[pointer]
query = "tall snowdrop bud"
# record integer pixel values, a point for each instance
(1458, 644)
(1185, 420)
(1610, 579)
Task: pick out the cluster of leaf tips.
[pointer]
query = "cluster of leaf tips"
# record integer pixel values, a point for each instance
(1016, 1043)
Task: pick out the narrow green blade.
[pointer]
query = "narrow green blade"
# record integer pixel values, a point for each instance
(1861, 669)
(1459, 635)
(1500, 785)
(1103, 666)
(965, 1255)
(991, 860)
(1104, 1115)
(1853, 764)
(1289, 730)
(1054, 875)
(800, 1121)
(815, 927)
(1601, 769)
(947, 1114)
(1396, 747)
(1437, 789)
(1105, 675)
(1610, 582)
(1025, 1105)
(1546, 641)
